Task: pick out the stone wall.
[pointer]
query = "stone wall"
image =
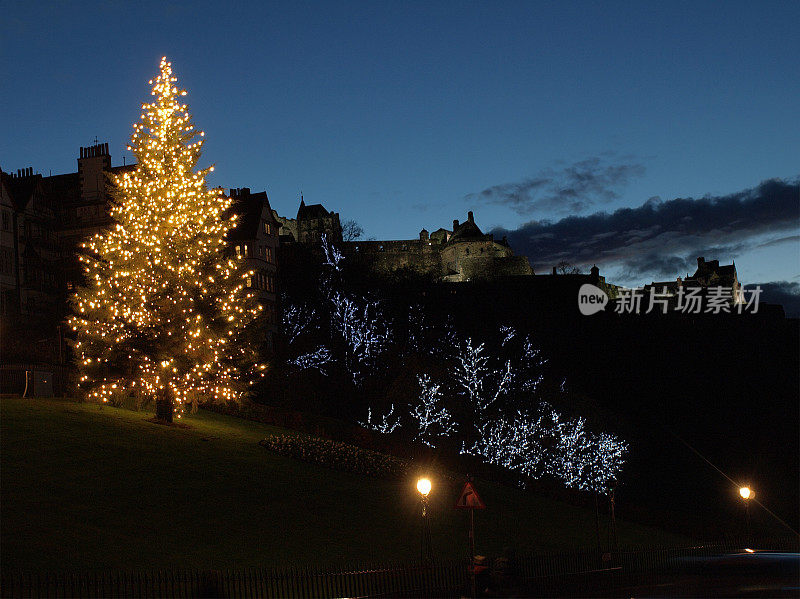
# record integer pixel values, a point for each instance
(481, 259)
(384, 257)
(288, 225)
(494, 267)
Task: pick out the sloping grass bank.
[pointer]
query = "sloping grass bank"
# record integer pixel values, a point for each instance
(84, 486)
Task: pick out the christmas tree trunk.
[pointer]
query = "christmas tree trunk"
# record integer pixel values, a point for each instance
(164, 405)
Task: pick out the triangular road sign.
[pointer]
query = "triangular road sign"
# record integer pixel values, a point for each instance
(469, 499)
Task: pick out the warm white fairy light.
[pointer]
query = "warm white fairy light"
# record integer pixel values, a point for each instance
(165, 302)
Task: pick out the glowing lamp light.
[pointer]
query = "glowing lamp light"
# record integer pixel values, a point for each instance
(746, 493)
(424, 486)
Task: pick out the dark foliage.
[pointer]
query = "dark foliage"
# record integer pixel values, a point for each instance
(337, 455)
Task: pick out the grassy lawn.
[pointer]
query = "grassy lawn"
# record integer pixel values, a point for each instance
(84, 486)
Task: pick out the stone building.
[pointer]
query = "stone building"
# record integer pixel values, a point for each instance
(709, 274)
(31, 253)
(58, 213)
(464, 253)
(44, 220)
(83, 203)
(255, 238)
(312, 222)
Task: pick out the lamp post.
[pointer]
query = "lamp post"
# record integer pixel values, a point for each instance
(423, 488)
(613, 519)
(747, 494)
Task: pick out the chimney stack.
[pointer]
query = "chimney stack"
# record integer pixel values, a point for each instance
(455, 224)
(469, 217)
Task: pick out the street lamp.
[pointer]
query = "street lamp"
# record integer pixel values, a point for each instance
(747, 494)
(423, 488)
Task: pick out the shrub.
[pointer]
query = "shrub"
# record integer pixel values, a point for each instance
(337, 455)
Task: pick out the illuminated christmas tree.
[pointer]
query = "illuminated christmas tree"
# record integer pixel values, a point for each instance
(165, 307)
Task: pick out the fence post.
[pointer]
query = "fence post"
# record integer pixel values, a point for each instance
(286, 578)
(320, 586)
(277, 581)
(284, 582)
(335, 583)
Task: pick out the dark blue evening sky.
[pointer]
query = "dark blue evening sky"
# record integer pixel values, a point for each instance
(399, 115)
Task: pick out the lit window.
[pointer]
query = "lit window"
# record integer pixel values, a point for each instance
(249, 281)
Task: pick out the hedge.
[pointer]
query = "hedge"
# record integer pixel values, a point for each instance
(337, 455)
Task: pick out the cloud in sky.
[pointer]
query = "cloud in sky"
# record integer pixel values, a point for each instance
(664, 238)
(780, 241)
(571, 189)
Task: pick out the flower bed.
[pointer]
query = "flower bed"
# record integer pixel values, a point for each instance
(337, 455)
